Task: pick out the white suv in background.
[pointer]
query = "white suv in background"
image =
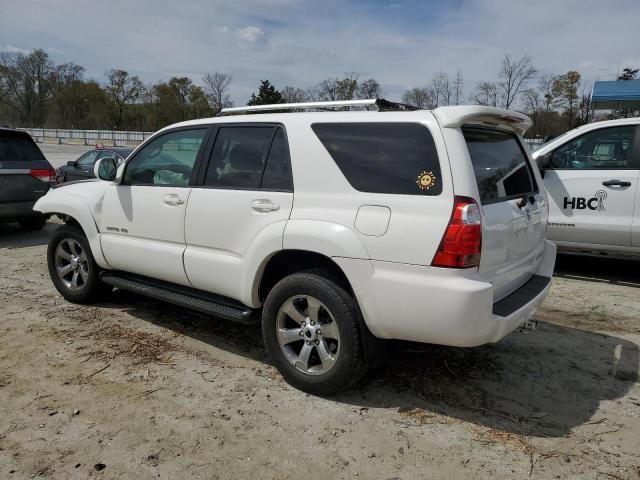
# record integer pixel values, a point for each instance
(592, 174)
(334, 230)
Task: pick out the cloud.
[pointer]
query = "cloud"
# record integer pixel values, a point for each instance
(12, 49)
(250, 34)
(402, 46)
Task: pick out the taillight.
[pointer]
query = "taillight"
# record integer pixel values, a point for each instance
(43, 174)
(461, 243)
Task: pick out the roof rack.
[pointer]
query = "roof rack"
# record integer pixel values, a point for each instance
(380, 103)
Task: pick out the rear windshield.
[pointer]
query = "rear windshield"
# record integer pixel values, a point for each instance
(398, 158)
(18, 147)
(500, 165)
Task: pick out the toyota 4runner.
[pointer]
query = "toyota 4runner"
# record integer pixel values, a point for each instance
(334, 230)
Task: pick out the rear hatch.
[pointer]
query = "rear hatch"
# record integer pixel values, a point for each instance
(25, 174)
(513, 210)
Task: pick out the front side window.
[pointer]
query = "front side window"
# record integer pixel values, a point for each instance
(88, 158)
(168, 160)
(500, 165)
(607, 148)
(399, 158)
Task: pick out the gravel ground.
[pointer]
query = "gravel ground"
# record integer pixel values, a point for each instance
(133, 388)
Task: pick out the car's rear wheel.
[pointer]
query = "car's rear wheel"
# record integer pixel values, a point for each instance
(311, 328)
(72, 268)
(31, 224)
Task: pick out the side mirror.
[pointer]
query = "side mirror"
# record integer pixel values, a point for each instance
(71, 163)
(105, 169)
(544, 162)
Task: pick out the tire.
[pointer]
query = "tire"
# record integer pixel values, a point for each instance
(33, 224)
(69, 241)
(309, 359)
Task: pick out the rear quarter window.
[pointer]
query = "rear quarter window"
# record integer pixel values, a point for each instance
(18, 147)
(501, 167)
(397, 158)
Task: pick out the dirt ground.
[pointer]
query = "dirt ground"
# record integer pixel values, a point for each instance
(134, 388)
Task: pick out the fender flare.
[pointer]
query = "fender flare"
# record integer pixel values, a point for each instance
(64, 203)
(327, 238)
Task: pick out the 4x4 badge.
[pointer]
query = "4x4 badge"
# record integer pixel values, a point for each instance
(425, 180)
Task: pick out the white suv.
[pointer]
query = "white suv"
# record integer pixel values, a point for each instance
(592, 175)
(333, 229)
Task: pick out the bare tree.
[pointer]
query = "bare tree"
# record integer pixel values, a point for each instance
(122, 89)
(442, 89)
(421, 97)
(216, 86)
(514, 75)
(293, 95)
(458, 88)
(369, 89)
(26, 80)
(331, 89)
(534, 106)
(485, 93)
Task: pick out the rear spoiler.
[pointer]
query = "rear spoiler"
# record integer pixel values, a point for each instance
(454, 117)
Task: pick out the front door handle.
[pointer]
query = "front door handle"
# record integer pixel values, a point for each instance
(264, 206)
(616, 183)
(173, 200)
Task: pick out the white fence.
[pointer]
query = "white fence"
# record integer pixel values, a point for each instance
(113, 137)
(533, 143)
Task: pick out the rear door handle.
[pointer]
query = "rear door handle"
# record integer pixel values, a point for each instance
(264, 206)
(173, 200)
(616, 183)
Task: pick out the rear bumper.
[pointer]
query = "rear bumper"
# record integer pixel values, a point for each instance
(17, 211)
(441, 306)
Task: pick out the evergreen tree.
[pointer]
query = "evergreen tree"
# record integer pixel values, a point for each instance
(267, 95)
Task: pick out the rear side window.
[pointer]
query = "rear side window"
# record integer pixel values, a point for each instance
(251, 158)
(18, 147)
(500, 165)
(398, 158)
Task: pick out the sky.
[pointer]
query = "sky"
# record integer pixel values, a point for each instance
(401, 43)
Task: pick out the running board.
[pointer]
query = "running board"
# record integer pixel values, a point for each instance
(183, 296)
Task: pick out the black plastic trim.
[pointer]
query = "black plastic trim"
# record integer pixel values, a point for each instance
(187, 297)
(518, 299)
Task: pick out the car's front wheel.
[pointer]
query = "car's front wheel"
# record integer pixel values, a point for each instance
(311, 328)
(72, 268)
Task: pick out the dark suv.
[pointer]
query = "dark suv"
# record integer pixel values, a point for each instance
(25, 176)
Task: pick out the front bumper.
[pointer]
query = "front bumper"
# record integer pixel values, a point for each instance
(442, 306)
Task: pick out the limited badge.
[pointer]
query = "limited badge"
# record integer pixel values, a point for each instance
(425, 180)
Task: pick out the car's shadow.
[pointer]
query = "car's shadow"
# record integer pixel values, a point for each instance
(12, 236)
(543, 383)
(598, 269)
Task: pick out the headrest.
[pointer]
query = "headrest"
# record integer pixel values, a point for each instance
(245, 158)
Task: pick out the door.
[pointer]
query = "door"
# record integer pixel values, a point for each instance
(142, 222)
(82, 168)
(592, 182)
(513, 210)
(237, 214)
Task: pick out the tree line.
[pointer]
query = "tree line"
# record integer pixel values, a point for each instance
(35, 92)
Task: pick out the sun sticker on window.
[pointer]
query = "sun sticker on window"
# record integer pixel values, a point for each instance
(426, 180)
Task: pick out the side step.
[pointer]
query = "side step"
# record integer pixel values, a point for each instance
(183, 296)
